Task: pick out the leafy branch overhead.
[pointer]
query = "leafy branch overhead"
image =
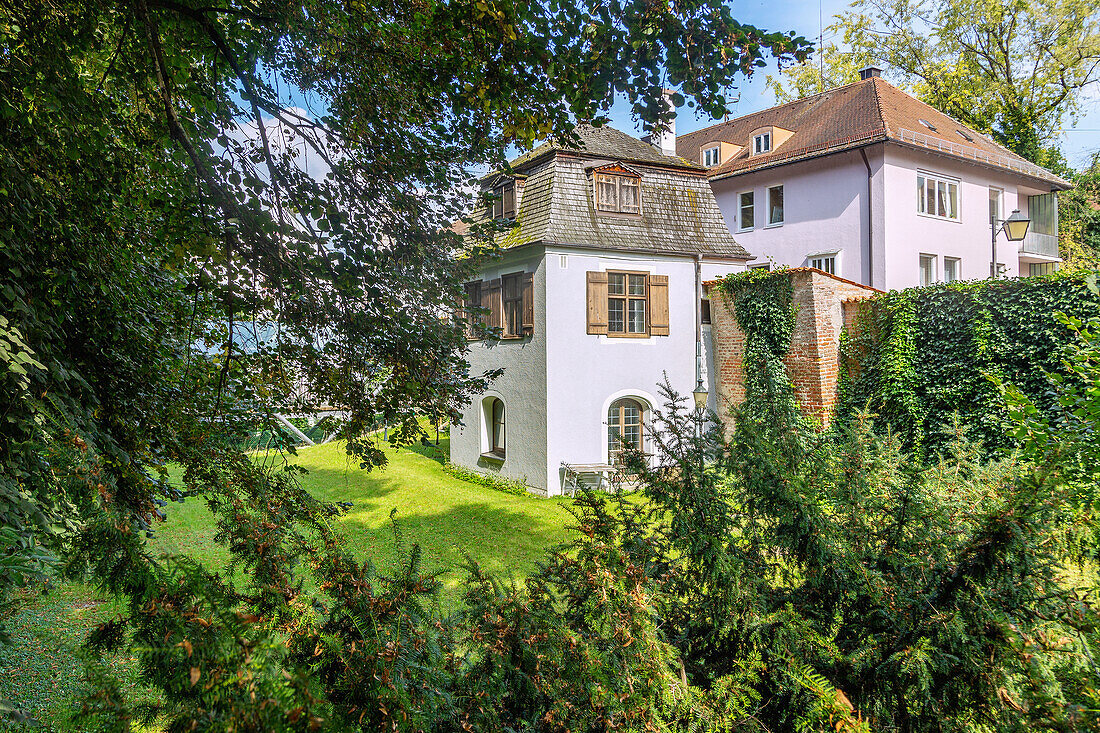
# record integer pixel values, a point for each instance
(1016, 70)
(215, 211)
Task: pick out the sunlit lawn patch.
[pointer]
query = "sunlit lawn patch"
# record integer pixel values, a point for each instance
(448, 517)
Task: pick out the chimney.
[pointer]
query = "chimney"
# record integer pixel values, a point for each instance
(868, 71)
(661, 138)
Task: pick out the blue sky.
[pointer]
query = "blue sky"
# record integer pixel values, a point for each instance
(1079, 141)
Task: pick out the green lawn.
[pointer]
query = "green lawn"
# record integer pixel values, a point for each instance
(448, 517)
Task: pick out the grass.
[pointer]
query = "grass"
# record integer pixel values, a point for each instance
(450, 519)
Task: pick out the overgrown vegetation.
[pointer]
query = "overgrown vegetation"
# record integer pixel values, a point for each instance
(214, 211)
(924, 360)
(776, 579)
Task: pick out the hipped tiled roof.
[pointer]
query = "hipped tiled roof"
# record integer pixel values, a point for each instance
(865, 112)
(606, 142)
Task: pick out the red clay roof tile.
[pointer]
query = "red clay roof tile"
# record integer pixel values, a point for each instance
(850, 116)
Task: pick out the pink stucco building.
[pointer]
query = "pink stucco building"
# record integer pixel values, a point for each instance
(872, 185)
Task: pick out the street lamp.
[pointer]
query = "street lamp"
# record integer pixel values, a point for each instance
(700, 395)
(1015, 229)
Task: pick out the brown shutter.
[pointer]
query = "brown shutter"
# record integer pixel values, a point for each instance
(495, 305)
(467, 306)
(658, 305)
(597, 302)
(528, 303)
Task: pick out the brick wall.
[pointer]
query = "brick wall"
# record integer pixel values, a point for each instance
(824, 305)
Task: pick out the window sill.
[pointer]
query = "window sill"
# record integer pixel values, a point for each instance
(628, 335)
(956, 220)
(491, 457)
(774, 226)
(745, 231)
(619, 214)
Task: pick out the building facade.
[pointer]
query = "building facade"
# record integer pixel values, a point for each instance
(872, 185)
(596, 296)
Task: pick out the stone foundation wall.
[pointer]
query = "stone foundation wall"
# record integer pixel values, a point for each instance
(824, 305)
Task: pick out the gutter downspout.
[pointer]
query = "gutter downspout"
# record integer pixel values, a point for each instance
(698, 320)
(870, 221)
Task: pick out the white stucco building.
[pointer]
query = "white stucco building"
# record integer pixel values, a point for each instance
(872, 185)
(597, 296)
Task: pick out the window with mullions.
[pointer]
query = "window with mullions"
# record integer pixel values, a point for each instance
(712, 156)
(746, 206)
(937, 197)
(497, 428)
(825, 263)
(618, 194)
(627, 304)
(624, 428)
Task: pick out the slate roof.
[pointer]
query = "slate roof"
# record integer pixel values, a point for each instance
(605, 142)
(852, 116)
(679, 215)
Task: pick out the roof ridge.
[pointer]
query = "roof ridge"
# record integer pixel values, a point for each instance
(779, 106)
(878, 102)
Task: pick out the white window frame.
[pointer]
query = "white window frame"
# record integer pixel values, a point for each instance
(613, 452)
(712, 156)
(768, 200)
(628, 298)
(741, 209)
(934, 259)
(957, 263)
(762, 143)
(949, 182)
(1000, 213)
(822, 262)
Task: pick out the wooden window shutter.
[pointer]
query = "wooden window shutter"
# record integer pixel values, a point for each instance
(658, 305)
(597, 302)
(495, 304)
(528, 303)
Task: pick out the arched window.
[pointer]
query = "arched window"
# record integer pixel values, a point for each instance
(496, 431)
(624, 427)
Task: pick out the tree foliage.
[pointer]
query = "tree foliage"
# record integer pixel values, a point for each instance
(1079, 219)
(1015, 70)
(217, 210)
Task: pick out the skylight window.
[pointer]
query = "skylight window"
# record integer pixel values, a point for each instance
(965, 136)
(928, 124)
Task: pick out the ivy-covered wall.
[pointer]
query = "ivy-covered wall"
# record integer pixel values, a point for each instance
(780, 330)
(919, 357)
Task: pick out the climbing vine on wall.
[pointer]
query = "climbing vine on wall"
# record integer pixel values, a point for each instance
(763, 303)
(920, 357)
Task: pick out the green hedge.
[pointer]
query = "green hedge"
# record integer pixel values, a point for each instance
(920, 357)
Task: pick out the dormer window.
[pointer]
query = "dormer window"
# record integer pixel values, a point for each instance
(504, 200)
(618, 191)
(712, 156)
(762, 143)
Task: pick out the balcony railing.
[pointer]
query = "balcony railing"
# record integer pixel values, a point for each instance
(1040, 244)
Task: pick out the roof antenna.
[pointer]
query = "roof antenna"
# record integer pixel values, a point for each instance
(820, 50)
